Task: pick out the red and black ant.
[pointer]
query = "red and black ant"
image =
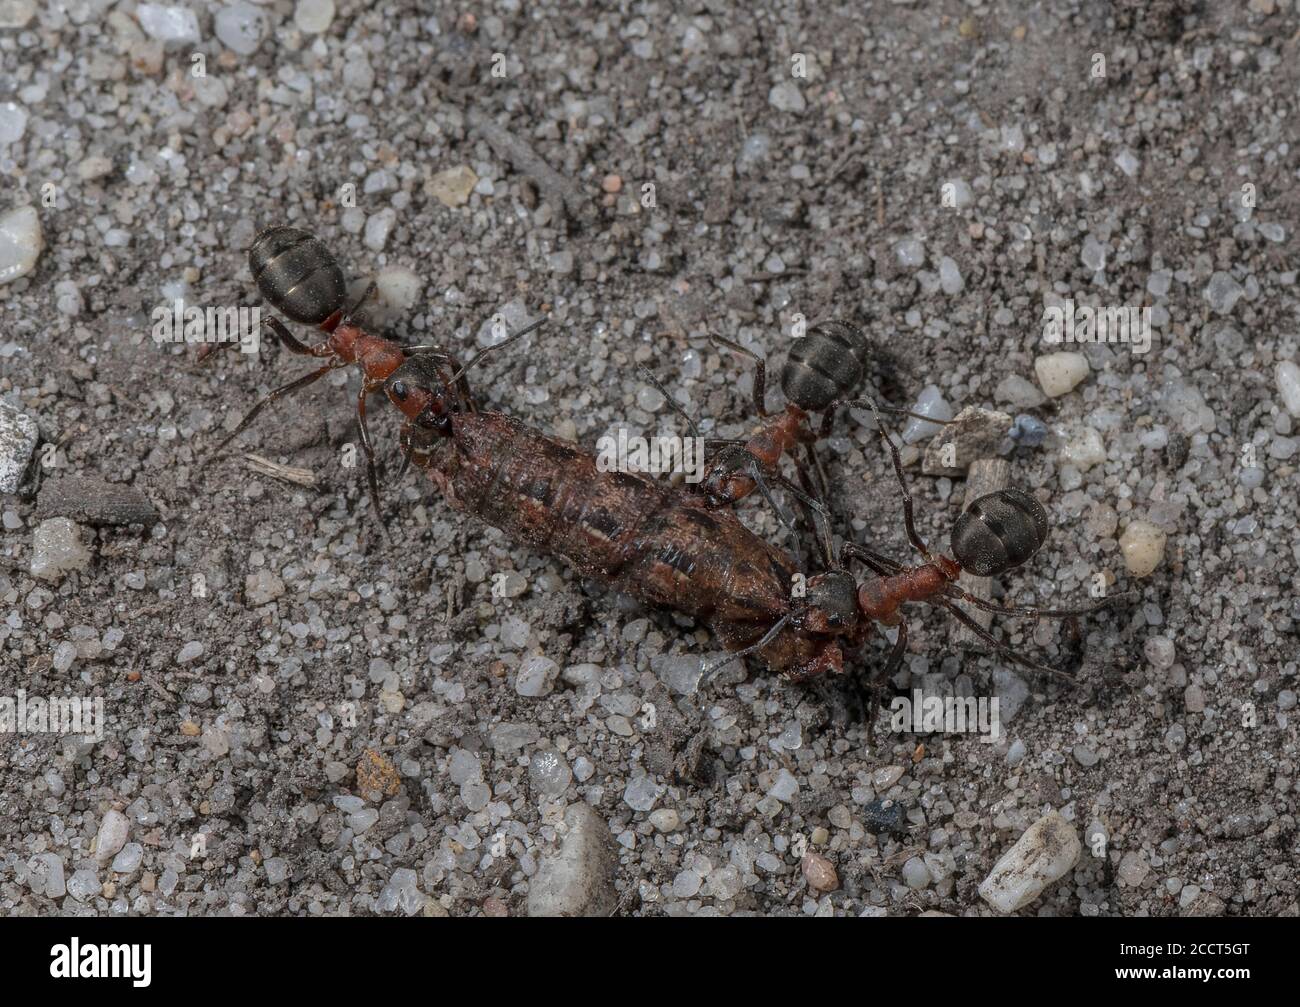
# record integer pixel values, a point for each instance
(821, 373)
(996, 533)
(297, 274)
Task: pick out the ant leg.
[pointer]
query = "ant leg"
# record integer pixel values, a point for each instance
(673, 404)
(366, 389)
(755, 473)
(807, 499)
(1028, 611)
(292, 343)
(896, 654)
(279, 334)
(760, 371)
(998, 646)
(881, 407)
(818, 514)
(823, 480)
(875, 562)
(208, 350)
(280, 392)
(887, 435)
(819, 489)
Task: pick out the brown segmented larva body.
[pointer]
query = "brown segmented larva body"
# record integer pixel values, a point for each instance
(650, 540)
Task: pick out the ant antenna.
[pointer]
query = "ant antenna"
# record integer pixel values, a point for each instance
(498, 346)
(708, 671)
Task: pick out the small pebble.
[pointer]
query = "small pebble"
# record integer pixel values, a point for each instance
(787, 97)
(130, 857)
(960, 192)
(113, 830)
(929, 403)
(378, 227)
(666, 819)
(1059, 373)
(915, 874)
(57, 550)
(1160, 652)
(819, 873)
(1018, 392)
(21, 241)
(174, 26)
(1045, 853)
(398, 288)
(950, 279)
(550, 773)
(577, 877)
(84, 885)
(314, 16)
(1223, 292)
(13, 122)
(536, 676)
(240, 27)
(277, 870)
(452, 186)
(1133, 869)
(1143, 547)
(1083, 449)
(974, 433)
(19, 436)
(16, 13)
(1093, 254)
(910, 253)
(262, 587)
(1288, 385)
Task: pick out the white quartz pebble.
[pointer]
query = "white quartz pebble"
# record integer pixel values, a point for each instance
(1046, 852)
(1059, 373)
(1143, 547)
(21, 242)
(1288, 384)
(1084, 449)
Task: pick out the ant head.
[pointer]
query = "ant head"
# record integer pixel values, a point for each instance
(419, 392)
(725, 484)
(297, 274)
(999, 531)
(831, 603)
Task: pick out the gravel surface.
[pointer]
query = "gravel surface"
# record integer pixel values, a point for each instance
(302, 717)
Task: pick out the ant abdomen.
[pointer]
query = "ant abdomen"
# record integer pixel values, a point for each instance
(297, 274)
(825, 366)
(999, 531)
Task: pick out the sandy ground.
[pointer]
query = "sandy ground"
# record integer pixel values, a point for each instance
(304, 718)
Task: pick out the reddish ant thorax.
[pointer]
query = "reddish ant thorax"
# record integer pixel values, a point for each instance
(377, 356)
(880, 598)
